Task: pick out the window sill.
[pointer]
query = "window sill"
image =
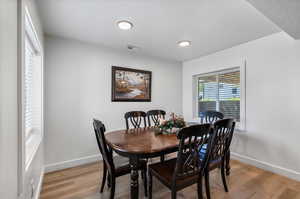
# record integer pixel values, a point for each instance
(31, 147)
(240, 128)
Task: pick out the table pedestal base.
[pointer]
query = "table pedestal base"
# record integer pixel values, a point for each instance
(134, 178)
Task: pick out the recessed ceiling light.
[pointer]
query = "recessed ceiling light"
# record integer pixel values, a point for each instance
(124, 25)
(184, 43)
(132, 47)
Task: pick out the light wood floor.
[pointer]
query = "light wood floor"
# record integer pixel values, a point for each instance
(245, 182)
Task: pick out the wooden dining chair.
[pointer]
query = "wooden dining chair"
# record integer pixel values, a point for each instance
(153, 116)
(223, 130)
(137, 119)
(210, 116)
(108, 162)
(188, 168)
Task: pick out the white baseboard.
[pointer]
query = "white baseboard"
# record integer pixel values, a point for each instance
(72, 163)
(248, 160)
(267, 166)
(39, 186)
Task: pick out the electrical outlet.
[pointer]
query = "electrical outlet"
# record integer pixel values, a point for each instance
(32, 188)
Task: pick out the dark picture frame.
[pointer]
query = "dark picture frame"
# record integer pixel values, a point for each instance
(130, 85)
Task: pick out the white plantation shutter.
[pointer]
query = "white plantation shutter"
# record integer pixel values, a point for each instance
(32, 92)
(220, 91)
(28, 86)
(32, 83)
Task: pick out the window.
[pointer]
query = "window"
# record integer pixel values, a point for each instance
(221, 91)
(32, 90)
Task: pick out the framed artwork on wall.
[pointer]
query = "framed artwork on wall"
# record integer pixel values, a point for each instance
(130, 85)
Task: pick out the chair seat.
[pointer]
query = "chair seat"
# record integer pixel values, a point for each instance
(164, 172)
(123, 166)
(212, 164)
(202, 152)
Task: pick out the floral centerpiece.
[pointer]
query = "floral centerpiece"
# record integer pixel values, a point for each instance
(171, 125)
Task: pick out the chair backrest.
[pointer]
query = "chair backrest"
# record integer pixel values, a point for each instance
(223, 130)
(194, 150)
(210, 116)
(154, 116)
(106, 153)
(136, 119)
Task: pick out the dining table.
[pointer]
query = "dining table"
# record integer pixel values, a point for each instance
(141, 143)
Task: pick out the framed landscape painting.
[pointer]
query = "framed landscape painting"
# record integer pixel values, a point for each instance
(130, 85)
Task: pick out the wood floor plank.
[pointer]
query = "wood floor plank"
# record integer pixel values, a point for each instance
(245, 182)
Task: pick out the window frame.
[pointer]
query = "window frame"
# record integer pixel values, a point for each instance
(33, 138)
(241, 125)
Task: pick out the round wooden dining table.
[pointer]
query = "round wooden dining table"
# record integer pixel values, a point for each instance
(138, 144)
(142, 143)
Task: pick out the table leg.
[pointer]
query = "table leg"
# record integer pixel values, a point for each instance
(134, 183)
(228, 163)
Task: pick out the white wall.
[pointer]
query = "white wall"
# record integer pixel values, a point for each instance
(11, 177)
(78, 89)
(8, 100)
(272, 100)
